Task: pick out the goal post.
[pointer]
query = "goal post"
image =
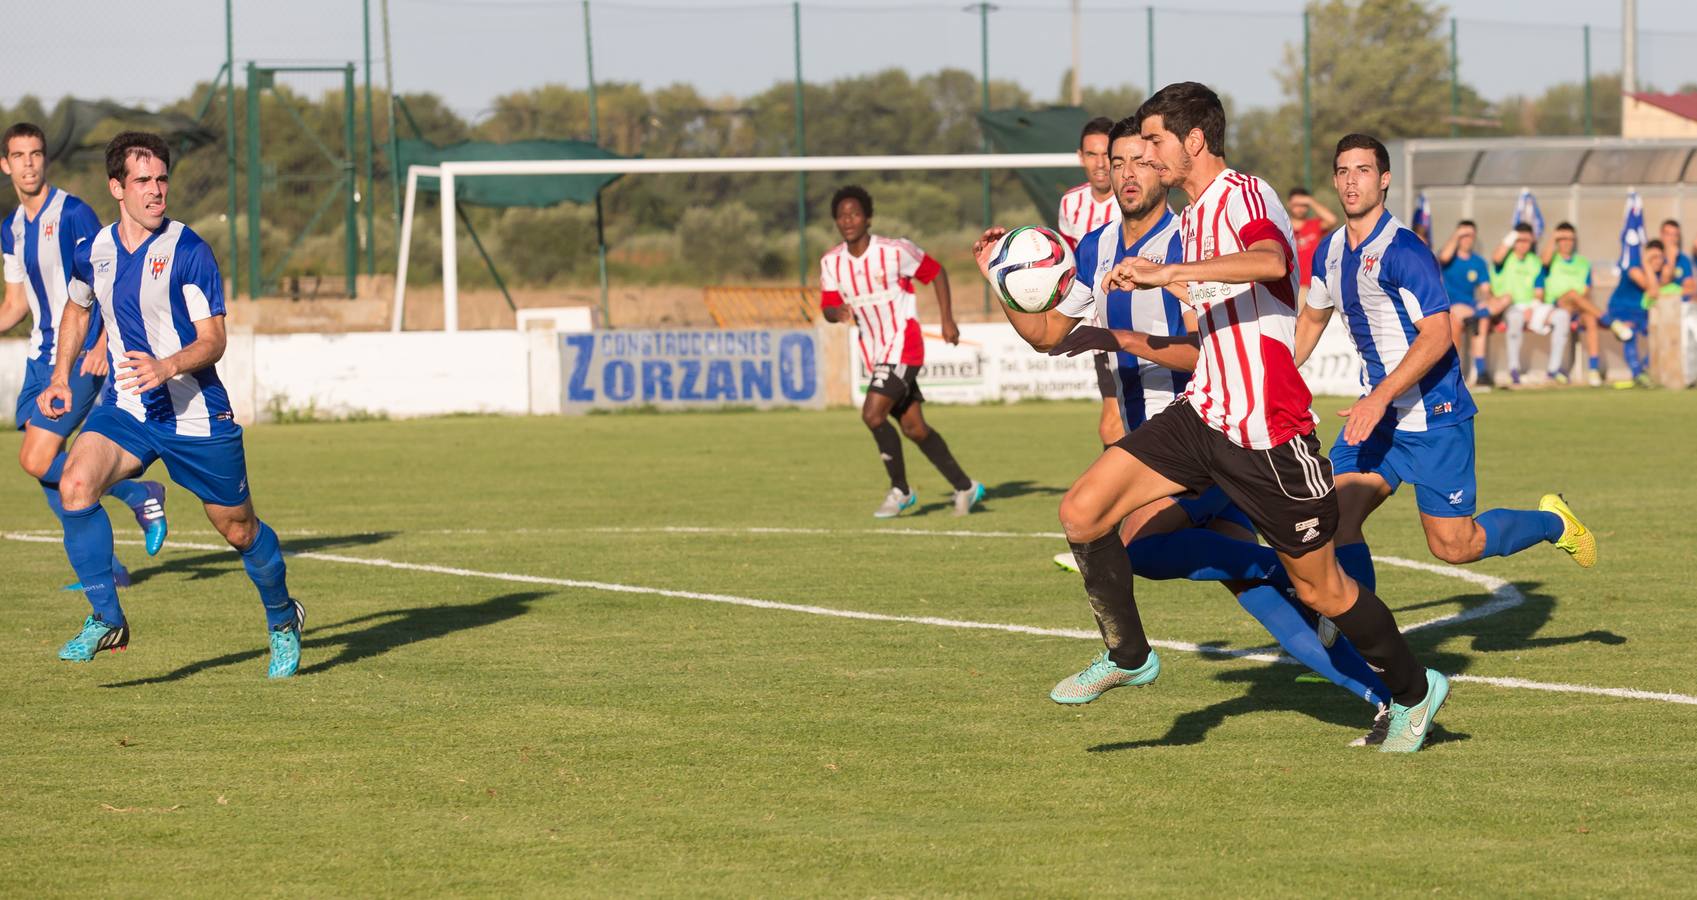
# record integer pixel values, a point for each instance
(447, 173)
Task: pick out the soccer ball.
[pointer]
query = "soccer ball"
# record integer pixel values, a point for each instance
(1031, 269)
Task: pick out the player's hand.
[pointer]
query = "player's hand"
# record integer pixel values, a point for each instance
(1137, 272)
(951, 331)
(1085, 339)
(1363, 417)
(981, 248)
(139, 373)
(54, 401)
(96, 363)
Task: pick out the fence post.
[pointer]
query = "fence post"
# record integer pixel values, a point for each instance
(230, 144)
(595, 138)
(984, 53)
(255, 181)
(351, 181)
(800, 150)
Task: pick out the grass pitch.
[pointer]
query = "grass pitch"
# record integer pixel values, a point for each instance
(455, 733)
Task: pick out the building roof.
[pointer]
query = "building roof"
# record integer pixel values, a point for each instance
(1682, 105)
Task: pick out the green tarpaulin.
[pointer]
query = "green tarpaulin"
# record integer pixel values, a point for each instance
(511, 190)
(74, 121)
(1053, 129)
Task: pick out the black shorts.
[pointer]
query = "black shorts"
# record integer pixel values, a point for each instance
(1105, 378)
(899, 383)
(1286, 491)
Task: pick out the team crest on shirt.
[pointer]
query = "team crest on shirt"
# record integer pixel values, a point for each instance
(1368, 262)
(47, 230)
(156, 265)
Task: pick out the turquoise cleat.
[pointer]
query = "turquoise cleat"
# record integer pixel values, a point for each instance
(150, 515)
(94, 637)
(894, 503)
(1102, 676)
(967, 499)
(286, 646)
(1410, 725)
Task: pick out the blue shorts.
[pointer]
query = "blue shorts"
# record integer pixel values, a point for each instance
(1213, 506)
(1439, 463)
(38, 374)
(211, 468)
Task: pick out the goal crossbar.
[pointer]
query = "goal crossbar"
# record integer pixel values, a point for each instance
(448, 172)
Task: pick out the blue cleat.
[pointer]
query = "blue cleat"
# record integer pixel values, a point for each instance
(286, 645)
(1410, 725)
(94, 637)
(150, 515)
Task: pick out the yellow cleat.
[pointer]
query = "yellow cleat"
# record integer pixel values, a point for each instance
(1575, 538)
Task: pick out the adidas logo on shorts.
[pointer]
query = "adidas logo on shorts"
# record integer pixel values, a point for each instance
(1310, 529)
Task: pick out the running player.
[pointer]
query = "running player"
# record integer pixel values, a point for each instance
(1084, 209)
(867, 281)
(1246, 423)
(1196, 538)
(162, 300)
(1414, 421)
(37, 241)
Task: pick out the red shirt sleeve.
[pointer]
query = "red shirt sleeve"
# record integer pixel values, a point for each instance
(1258, 230)
(928, 269)
(828, 299)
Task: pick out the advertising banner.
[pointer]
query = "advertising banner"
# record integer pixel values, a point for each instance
(696, 369)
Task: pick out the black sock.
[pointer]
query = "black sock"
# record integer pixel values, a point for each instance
(937, 450)
(1107, 579)
(1370, 626)
(890, 450)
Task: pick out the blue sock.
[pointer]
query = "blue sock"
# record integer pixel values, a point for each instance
(1290, 624)
(1479, 367)
(1197, 554)
(88, 543)
(1509, 531)
(131, 493)
(1596, 363)
(1357, 563)
(1629, 349)
(263, 560)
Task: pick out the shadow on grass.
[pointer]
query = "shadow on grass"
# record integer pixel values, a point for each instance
(384, 631)
(215, 563)
(1007, 490)
(1271, 687)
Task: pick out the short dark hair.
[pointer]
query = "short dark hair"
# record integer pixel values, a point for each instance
(1655, 244)
(1098, 125)
(134, 143)
(21, 129)
(1667, 222)
(1185, 106)
(852, 192)
(1566, 226)
(1298, 191)
(1359, 141)
(1524, 228)
(1469, 223)
(1126, 127)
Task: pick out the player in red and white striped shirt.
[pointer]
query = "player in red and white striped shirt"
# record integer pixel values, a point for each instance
(867, 281)
(1246, 425)
(1090, 205)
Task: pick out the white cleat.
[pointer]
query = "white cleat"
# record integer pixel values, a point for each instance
(1066, 562)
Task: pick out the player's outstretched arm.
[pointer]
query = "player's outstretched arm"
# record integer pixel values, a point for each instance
(1261, 261)
(945, 305)
(139, 372)
(1178, 353)
(14, 307)
(1430, 344)
(73, 328)
(1310, 324)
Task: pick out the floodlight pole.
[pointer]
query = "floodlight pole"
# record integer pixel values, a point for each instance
(234, 256)
(1307, 111)
(1455, 85)
(1629, 46)
(1587, 80)
(1150, 10)
(595, 138)
(984, 85)
(370, 150)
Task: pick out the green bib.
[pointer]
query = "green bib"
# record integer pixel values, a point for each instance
(1566, 275)
(1517, 278)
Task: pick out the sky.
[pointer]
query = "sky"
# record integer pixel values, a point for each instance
(471, 51)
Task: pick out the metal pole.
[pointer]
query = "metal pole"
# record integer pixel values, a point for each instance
(450, 255)
(595, 138)
(1307, 111)
(984, 52)
(1629, 46)
(389, 85)
(1151, 34)
(351, 226)
(230, 143)
(1588, 129)
(370, 150)
(1077, 57)
(800, 150)
(255, 180)
(1455, 84)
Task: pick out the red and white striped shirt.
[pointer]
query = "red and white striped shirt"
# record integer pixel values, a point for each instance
(1082, 213)
(878, 286)
(1246, 383)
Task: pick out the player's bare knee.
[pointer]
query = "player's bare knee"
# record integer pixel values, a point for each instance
(240, 533)
(77, 491)
(874, 418)
(35, 464)
(916, 433)
(1451, 549)
(1081, 519)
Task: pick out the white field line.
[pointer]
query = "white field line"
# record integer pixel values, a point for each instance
(733, 600)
